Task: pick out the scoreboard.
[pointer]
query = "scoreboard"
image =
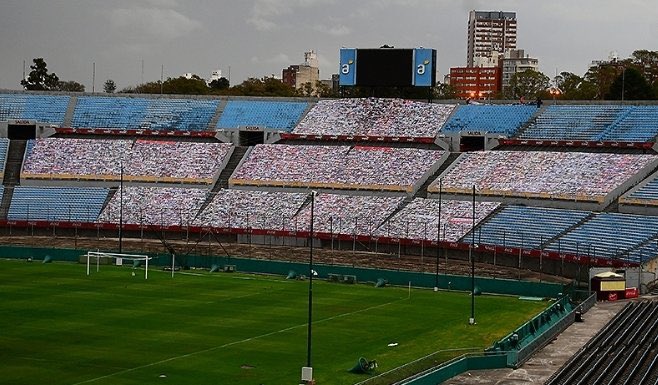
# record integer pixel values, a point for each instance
(387, 67)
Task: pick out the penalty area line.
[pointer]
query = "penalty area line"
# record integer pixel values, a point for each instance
(342, 315)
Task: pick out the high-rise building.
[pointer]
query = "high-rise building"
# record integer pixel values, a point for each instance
(489, 31)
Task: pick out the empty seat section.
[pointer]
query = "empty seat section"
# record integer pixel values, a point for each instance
(179, 114)
(526, 227)
(282, 116)
(500, 119)
(41, 108)
(109, 112)
(581, 122)
(638, 124)
(647, 194)
(69, 204)
(4, 147)
(608, 235)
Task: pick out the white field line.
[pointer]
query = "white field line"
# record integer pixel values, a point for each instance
(238, 342)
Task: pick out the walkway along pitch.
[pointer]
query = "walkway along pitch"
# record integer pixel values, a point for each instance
(549, 359)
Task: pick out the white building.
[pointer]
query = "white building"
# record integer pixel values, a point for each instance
(515, 61)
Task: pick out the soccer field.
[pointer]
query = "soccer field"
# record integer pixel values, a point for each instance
(60, 326)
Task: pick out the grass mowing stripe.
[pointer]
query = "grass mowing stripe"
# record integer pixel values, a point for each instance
(236, 342)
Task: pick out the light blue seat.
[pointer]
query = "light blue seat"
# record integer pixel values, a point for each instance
(526, 227)
(41, 108)
(68, 204)
(500, 119)
(569, 122)
(282, 116)
(608, 235)
(109, 112)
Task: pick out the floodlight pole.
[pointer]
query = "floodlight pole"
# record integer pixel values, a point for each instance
(471, 321)
(121, 208)
(438, 239)
(310, 283)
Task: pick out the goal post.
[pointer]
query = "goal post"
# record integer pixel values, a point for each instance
(117, 257)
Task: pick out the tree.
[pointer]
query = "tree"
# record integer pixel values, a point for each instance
(39, 79)
(632, 85)
(323, 90)
(220, 84)
(184, 86)
(109, 87)
(574, 87)
(528, 84)
(647, 63)
(267, 86)
(181, 85)
(306, 89)
(444, 91)
(602, 77)
(69, 86)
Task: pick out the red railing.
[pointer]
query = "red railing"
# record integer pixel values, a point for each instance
(137, 132)
(576, 143)
(358, 138)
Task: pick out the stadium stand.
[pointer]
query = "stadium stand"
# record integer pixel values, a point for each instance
(161, 206)
(4, 148)
(71, 159)
(109, 112)
(637, 125)
(141, 113)
(66, 204)
(542, 174)
(42, 108)
(646, 195)
(280, 116)
(623, 352)
(347, 214)
(374, 117)
(179, 114)
(337, 167)
(499, 119)
(143, 160)
(184, 162)
(419, 219)
(526, 227)
(608, 235)
(267, 210)
(595, 123)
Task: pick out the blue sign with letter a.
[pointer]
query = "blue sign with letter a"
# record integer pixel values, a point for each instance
(347, 70)
(423, 67)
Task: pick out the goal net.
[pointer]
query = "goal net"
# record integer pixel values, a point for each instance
(96, 256)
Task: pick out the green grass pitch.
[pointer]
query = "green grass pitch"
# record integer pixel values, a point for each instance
(59, 326)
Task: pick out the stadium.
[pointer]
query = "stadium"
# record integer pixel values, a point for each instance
(444, 198)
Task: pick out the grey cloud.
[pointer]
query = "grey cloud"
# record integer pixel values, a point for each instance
(152, 23)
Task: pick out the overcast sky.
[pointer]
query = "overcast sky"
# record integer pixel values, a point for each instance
(255, 38)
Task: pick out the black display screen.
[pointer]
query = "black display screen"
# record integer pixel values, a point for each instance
(384, 67)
